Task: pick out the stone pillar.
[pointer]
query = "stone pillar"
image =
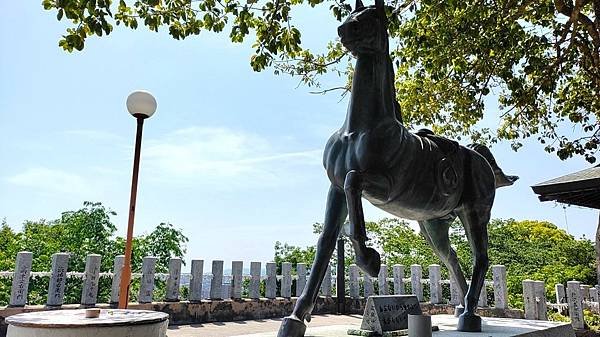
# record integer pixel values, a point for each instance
(593, 294)
(575, 304)
(398, 271)
(561, 297)
(254, 290)
(435, 287)
(416, 274)
(540, 297)
(326, 284)
(455, 296)
(368, 285)
(286, 280)
(384, 288)
(529, 299)
(237, 268)
(216, 284)
(172, 291)
(147, 282)
(197, 276)
(483, 302)
(585, 292)
(58, 279)
(271, 283)
(116, 279)
(20, 281)
(301, 281)
(353, 278)
(91, 277)
(500, 287)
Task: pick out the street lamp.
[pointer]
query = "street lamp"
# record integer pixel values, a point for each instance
(141, 105)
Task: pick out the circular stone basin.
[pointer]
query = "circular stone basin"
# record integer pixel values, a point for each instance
(73, 323)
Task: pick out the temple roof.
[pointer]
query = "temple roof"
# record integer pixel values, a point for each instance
(580, 188)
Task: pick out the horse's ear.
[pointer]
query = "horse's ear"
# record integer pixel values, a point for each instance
(358, 5)
(379, 4)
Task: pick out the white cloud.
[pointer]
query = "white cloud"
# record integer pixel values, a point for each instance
(50, 180)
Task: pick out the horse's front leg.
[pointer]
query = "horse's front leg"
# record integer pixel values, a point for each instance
(367, 258)
(335, 215)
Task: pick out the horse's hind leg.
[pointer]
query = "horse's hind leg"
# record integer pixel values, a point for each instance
(436, 232)
(475, 218)
(335, 214)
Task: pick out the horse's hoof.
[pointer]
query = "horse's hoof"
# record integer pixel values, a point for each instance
(469, 323)
(291, 327)
(369, 262)
(458, 310)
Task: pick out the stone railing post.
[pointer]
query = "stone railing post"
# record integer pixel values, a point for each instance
(483, 300)
(301, 281)
(455, 297)
(172, 291)
(540, 296)
(585, 292)
(561, 296)
(435, 287)
(529, 299)
(398, 271)
(500, 287)
(89, 293)
(353, 284)
(416, 274)
(146, 293)
(286, 280)
(116, 279)
(271, 283)
(384, 288)
(368, 285)
(326, 284)
(197, 276)
(575, 304)
(254, 290)
(216, 284)
(237, 268)
(593, 294)
(20, 281)
(58, 279)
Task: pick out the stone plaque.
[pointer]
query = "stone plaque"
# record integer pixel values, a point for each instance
(389, 312)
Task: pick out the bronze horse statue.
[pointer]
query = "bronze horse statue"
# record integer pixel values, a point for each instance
(420, 176)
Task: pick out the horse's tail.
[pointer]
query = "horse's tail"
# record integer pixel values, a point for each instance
(501, 178)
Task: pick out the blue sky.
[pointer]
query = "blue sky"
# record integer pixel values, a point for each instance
(232, 157)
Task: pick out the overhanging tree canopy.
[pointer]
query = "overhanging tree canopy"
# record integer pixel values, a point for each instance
(540, 58)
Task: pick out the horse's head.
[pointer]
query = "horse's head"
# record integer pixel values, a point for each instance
(365, 30)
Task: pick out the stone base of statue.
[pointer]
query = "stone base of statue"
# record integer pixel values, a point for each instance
(447, 324)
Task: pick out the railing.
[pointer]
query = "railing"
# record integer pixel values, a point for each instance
(237, 285)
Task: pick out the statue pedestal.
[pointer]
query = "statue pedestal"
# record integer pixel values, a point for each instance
(491, 327)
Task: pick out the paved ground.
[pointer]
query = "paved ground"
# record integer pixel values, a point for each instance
(228, 329)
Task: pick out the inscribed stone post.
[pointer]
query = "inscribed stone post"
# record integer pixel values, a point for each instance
(237, 268)
(353, 278)
(455, 296)
(116, 279)
(90, 280)
(286, 280)
(575, 304)
(216, 283)
(172, 292)
(483, 302)
(540, 297)
(416, 273)
(58, 279)
(197, 275)
(368, 285)
(529, 301)
(561, 296)
(271, 283)
(398, 271)
(500, 287)
(326, 284)
(147, 282)
(301, 281)
(384, 288)
(20, 281)
(435, 287)
(254, 291)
